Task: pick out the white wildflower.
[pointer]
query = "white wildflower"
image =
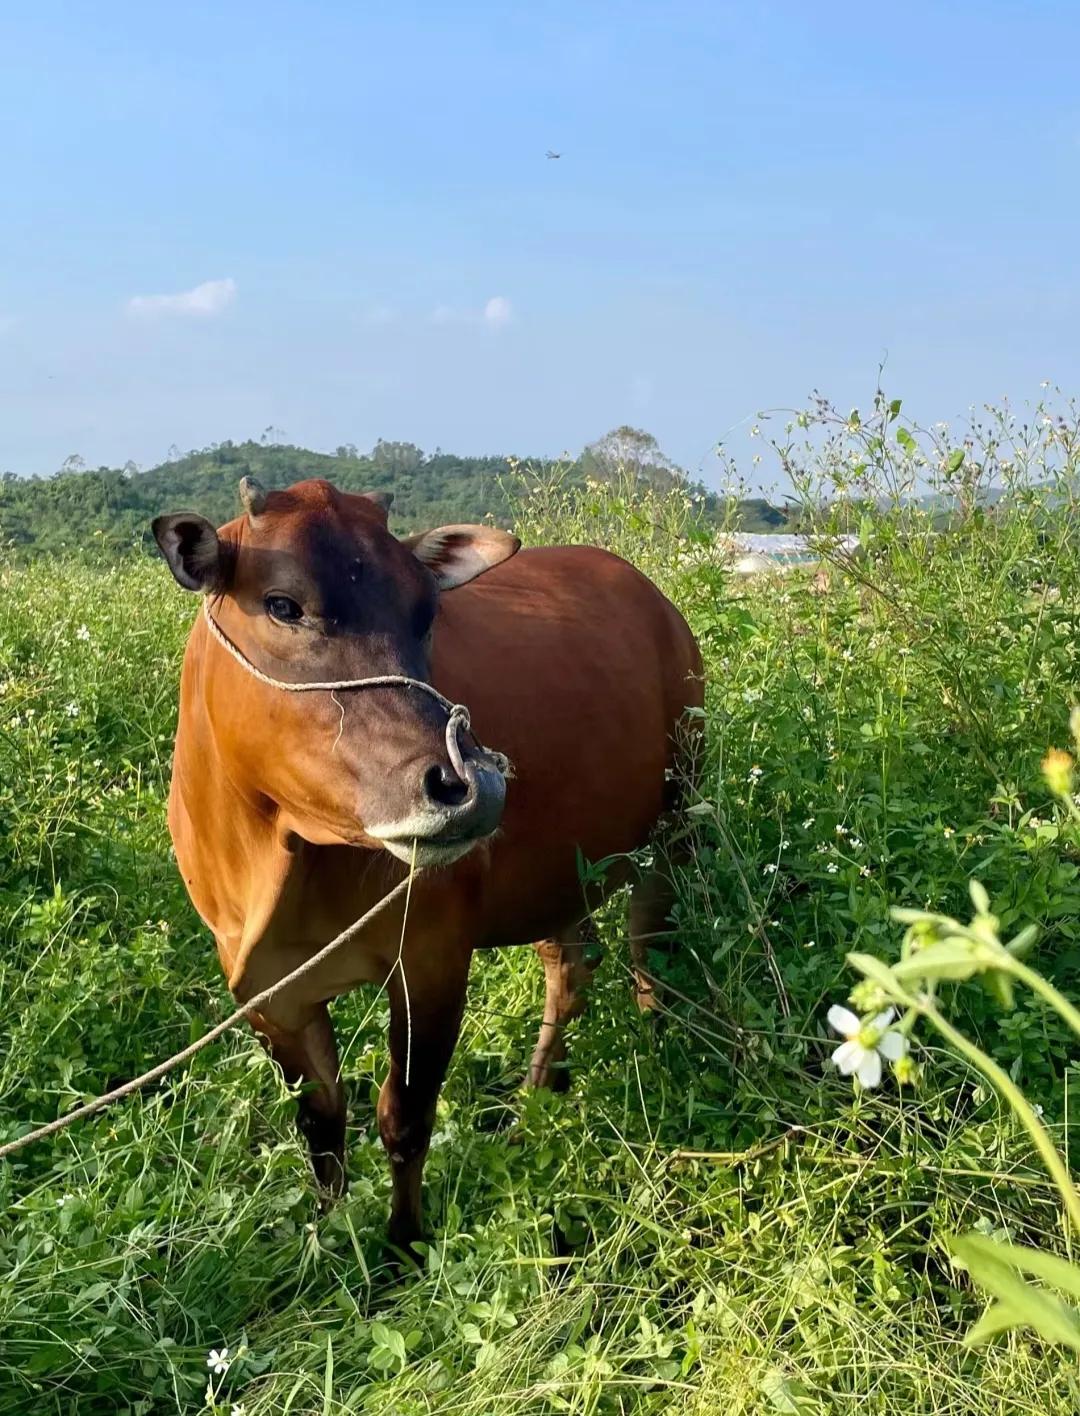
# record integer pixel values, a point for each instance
(769, 869)
(218, 1362)
(865, 1044)
(855, 843)
(948, 831)
(832, 867)
(72, 710)
(808, 823)
(754, 773)
(864, 870)
(82, 632)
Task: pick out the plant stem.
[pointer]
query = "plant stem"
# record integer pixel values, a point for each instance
(1045, 989)
(1019, 1103)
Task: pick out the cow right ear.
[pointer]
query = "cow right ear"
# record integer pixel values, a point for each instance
(190, 545)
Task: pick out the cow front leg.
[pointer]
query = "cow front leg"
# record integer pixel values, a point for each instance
(425, 1019)
(309, 1059)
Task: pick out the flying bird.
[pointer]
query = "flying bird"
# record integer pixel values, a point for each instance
(552, 155)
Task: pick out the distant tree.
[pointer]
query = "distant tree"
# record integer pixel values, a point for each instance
(632, 450)
(348, 451)
(758, 515)
(396, 457)
(73, 463)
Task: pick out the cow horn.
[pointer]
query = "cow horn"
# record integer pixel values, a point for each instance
(252, 496)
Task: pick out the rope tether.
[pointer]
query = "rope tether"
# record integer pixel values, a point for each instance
(252, 1005)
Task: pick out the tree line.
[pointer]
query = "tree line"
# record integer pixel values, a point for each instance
(110, 508)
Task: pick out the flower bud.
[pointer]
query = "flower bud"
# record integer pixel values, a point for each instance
(1057, 769)
(906, 1070)
(868, 997)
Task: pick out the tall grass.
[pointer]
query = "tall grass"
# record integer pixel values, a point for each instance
(744, 1234)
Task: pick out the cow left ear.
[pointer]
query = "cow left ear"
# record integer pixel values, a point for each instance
(458, 554)
(191, 547)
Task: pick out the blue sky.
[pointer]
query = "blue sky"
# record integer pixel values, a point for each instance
(753, 201)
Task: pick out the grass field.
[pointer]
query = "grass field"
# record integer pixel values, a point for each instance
(746, 1233)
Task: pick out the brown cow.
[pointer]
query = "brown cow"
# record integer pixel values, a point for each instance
(292, 813)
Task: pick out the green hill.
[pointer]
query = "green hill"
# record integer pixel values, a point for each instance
(110, 509)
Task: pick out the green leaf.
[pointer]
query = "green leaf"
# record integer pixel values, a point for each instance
(979, 898)
(785, 1395)
(950, 959)
(1021, 943)
(1057, 1272)
(998, 1318)
(956, 460)
(1032, 1307)
(328, 1377)
(906, 441)
(1000, 987)
(873, 968)
(894, 407)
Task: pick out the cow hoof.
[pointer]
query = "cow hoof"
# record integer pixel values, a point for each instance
(552, 1079)
(330, 1178)
(402, 1255)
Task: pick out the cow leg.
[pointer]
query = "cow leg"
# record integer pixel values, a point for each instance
(309, 1058)
(567, 975)
(424, 1025)
(651, 903)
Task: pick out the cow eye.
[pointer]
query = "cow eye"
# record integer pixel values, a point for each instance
(280, 607)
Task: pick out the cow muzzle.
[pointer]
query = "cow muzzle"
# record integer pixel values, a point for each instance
(458, 804)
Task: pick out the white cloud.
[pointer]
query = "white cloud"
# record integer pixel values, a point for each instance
(209, 298)
(498, 312)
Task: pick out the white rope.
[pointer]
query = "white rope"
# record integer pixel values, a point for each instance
(457, 721)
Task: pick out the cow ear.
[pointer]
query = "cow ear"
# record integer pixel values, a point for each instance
(457, 554)
(383, 500)
(191, 546)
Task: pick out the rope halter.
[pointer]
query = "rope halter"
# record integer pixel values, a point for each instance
(458, 720)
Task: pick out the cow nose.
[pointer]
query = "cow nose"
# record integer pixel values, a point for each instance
(443, 786)
(464, 802)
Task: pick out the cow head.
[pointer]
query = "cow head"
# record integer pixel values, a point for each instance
(311, 586)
